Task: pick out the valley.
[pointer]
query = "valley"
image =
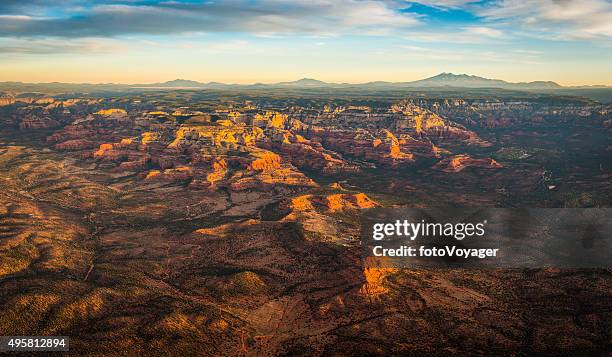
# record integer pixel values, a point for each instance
(227, 221)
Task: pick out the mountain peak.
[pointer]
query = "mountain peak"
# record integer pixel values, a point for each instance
(452, 76)
(444, 79)
(471, 81)
(182, 83)
(306, 79)
(305, 82)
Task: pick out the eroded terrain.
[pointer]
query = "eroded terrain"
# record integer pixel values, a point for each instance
(176, 223)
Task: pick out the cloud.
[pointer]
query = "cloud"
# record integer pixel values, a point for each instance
(85, 23)
(33, 7)
(465, 35)
(416, 52)
(445, 4)
(473, 56)
(10, 46)
(546, 19)
(266, 17)
(557, 19)
(234, 46)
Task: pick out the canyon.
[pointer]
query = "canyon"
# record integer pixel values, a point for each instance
(202, 222)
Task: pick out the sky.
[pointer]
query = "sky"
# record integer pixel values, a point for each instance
(343, 41)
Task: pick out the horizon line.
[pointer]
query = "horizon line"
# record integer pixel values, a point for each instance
(129, 83)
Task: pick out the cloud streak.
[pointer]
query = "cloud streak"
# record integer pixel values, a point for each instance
(545, 19)
(266, 17)
(512, 56)
(465, 35)
(10, 47)
(561, 19)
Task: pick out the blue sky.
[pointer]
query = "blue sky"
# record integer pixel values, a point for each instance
(246, 41)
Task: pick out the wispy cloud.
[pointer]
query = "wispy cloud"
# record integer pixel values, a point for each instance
(445, 55)
(9, 46)
(550, 19)
(445, 4)
(234, 46)
(110, 18)
(355, 37)
(557, 19)
(464, 35)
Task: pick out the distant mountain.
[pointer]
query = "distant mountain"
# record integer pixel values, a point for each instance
(177, 83)
(304, 82)
(441, 80)
(185, 83)
(470, 81)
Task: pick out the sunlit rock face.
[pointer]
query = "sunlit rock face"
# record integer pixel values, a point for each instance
(415, 118)
(458, 163)
(255, 149)
(379, 147)
(112, 113)
(330, 203)
(305, 153)
(4, 100)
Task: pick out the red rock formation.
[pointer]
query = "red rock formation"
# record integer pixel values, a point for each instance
(71, 132)
(220, 169)
(382, 148)
(6, 101)
(344, 201)
(167, 160)
(375, 271)
(112, 113)
(451, 133)
(136, 165)
(423, 147)
(317, 214)
(125, 150)
(336, 186)
(75, 144)
(265, 162)
(36, 122)
(330, 203)
(305, 154)
(284, 176)
(104, 150)
(181, 173)
(459, 162)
